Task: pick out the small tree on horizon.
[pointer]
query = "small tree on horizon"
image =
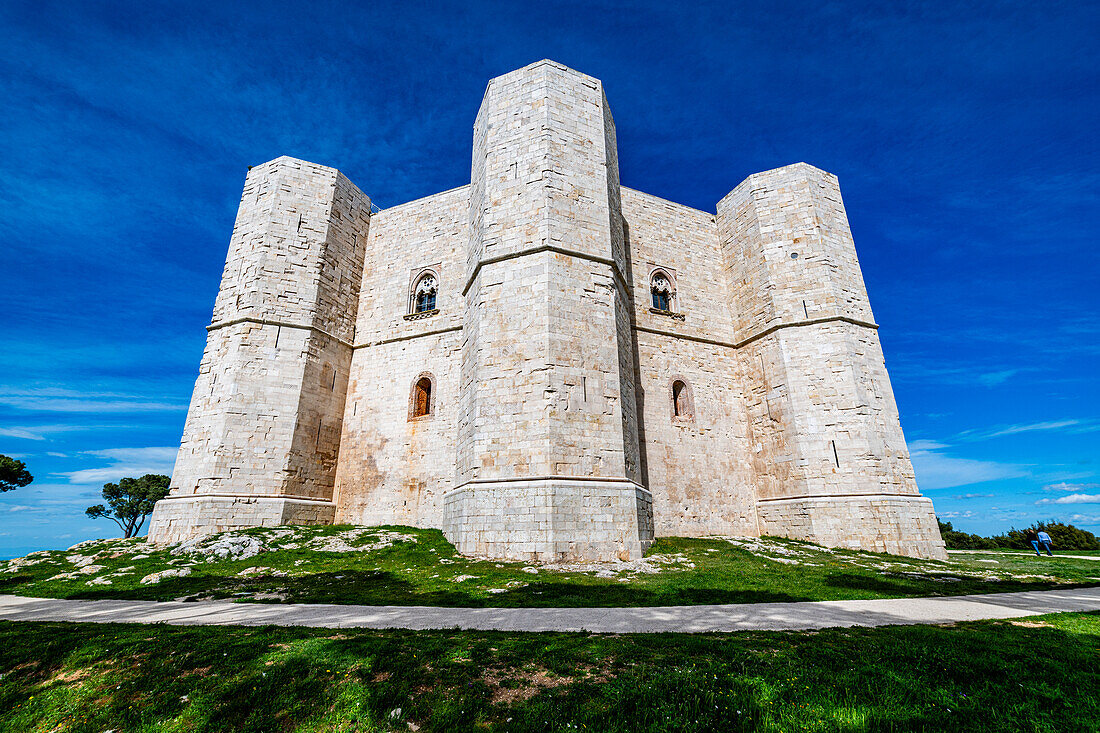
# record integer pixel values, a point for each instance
(131, 500)
(13, 474)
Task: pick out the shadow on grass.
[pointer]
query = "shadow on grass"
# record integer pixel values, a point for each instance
(973, 677)
(900, 587)
(381, 588)
(10, 582)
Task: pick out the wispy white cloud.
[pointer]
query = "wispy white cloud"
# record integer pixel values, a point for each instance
(1066, 425)
(1072, 499)
(926, 372)
(972, 496)
(66, 400)
(968, 514)
(1035, 427)
(937, 470)
(992, 379)
(1085, 519)
(20, 433)
(125, 462)
(1065, 486)
(917, 445)
(161, 454)
(42, 432)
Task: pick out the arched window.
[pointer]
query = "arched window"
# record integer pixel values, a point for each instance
(424, 293)
(683, 405)
(422, 402)
(660, 286)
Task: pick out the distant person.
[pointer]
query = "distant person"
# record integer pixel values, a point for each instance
(1033, 538)
(1046, 542)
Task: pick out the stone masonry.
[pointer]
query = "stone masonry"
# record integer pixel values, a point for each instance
(545, 364)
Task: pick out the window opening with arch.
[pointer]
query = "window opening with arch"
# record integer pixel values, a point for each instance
(683, 404)
(661, 290)
(424, 293)
(422, 403)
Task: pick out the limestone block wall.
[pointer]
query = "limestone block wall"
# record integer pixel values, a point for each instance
(591, 404)
(311, 463)
(823, 425)
(544, 291)
(878, 523)
(831, 384)
(696, 468)
(265, 416)
(297, 248)
(548, 520)
(394, 469)
(235, 439)
(182, 517)
(785, 236)
(552, 433)
(547, 365)
(683, 242)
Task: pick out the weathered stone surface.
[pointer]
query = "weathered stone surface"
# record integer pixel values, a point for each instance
(263, 429)
(570, 418)
(550, 519)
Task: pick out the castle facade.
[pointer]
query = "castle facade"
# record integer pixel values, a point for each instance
(544, 363)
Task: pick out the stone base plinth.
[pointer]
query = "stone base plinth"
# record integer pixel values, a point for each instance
(550, 519)
(179, 518)
(899, 525)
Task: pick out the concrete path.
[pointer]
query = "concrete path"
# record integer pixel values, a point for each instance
(995, 553)
(691, 619)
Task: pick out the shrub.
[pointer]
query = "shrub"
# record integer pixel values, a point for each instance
(955, 540)
(1064, 537)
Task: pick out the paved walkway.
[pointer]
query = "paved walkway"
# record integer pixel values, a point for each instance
(995, 553)
(691, 619)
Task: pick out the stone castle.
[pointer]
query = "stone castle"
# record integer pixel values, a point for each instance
(543, 363)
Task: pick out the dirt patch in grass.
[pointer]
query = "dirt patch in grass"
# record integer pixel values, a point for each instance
(516, 686)
(71, 675)
(1029, 624)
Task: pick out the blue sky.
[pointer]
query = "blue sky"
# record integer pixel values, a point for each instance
(964, 136)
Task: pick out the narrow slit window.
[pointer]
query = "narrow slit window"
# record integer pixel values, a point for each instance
(681, 400)
(422, 398)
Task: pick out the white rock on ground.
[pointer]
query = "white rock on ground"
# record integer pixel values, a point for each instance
(21, 562)
(239, 546)
(157, 577)
(261, 571)
(225, 546)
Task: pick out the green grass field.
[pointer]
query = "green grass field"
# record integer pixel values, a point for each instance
(405, 566)
(1039, 675)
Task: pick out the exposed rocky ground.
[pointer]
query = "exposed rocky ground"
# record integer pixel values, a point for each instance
(407, 566)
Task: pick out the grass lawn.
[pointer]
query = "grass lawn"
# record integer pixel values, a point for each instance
(1040, 674)
(406, 566)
